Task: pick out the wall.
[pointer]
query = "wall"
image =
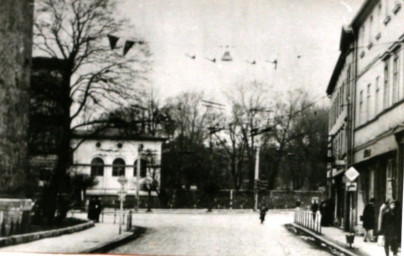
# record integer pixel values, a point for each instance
(16, 23)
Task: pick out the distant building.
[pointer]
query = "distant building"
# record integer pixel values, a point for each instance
(375, 119)
(112, 153)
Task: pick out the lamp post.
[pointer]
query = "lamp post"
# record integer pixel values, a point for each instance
(139, 158)
(122, 180)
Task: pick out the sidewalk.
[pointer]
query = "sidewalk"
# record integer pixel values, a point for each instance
(335, 238)
(89, 240)
(338, 236)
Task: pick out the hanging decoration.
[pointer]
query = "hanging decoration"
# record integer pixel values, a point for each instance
(227, 56)
(128, 45)
(191, 57)
(113, 40)
(275, 62)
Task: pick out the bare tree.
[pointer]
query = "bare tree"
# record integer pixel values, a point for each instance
(251, 103)
(94, 78)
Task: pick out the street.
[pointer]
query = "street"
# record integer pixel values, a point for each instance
(188, 233)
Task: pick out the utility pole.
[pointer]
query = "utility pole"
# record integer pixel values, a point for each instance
(139, 158)
(256, 176)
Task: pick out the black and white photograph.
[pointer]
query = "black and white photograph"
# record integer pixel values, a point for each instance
(201, 127)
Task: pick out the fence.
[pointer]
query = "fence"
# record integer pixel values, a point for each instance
(309, 220)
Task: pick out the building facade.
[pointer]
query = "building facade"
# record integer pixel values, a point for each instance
(112, 154)
(376, 120)
(340, 90)
(16, 26)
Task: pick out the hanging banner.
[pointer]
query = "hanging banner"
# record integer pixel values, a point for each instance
(128, 45)
(113, 40)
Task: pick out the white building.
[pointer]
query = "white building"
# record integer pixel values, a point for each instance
(113, 153)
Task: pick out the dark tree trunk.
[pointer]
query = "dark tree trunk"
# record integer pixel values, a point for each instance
(56, 184)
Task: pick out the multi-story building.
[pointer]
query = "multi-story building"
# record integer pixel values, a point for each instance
(340, 92)
(376, 123)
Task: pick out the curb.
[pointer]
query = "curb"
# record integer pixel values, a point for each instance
(329, 243)
(107, 246)
(29, 237)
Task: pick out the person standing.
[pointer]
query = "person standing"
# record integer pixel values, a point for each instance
(391, 229)
(368, 218)
(263, 212)
(314, 208)
(90, 214)
(97, 209)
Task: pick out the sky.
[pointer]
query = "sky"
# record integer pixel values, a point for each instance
(302, 35)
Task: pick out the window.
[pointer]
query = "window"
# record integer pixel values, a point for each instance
(342, 96)
(368, 103)
(360, 107)
(390, 173)
(118, 167)
(377, 90)
(370, 28)
(143, 168)
(97, 167)
(362, 35)
(386, 89)
(396, 64)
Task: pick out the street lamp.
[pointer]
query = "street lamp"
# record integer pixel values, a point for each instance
(122, 180)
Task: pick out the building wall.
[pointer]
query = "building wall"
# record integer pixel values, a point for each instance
(108, 151)
(16, 23)
(379, 100)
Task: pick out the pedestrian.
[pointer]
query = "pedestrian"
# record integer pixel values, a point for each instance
(390, 228)
(90, 214)
(97, 209)
(263, 212)
(314, 208)
(368, 218)
(326, 210)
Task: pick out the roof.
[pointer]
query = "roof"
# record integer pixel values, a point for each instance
(48, 63)
(347, 38)
(116, 134)
(362, 13)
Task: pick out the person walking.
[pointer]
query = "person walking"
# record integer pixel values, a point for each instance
(391, 229)
(368, 218)
(263, 212)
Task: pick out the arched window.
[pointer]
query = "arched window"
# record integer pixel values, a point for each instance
(97, 167)
(118, 167)
(143, 168)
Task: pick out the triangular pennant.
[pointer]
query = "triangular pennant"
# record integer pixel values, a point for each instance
(112, 41)
(128, 45)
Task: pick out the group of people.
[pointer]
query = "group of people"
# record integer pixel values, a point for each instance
(94, 209)
(388, 227)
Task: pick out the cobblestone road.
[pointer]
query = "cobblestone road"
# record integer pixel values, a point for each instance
(217, 234)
